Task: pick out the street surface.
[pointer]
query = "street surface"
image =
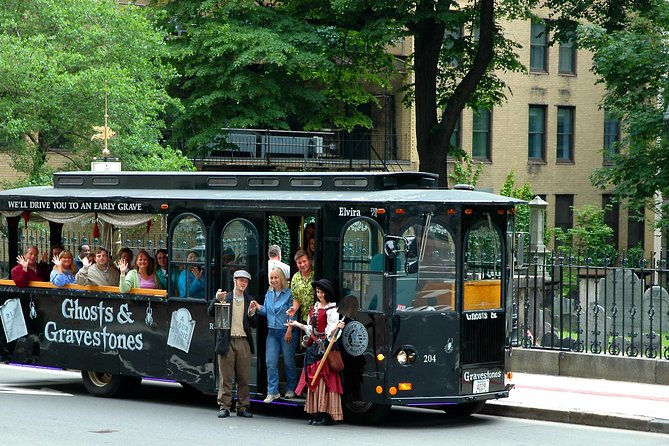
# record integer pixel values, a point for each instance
(46, 407)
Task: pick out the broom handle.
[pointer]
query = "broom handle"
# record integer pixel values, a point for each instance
(325, 357)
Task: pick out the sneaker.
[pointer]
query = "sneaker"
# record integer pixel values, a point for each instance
(271, 397)
(291, 394)
(223, 413)
(244, 413)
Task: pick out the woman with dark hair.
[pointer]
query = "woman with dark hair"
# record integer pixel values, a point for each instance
(191, 281)
(161, 268)
(323, 401)
(143, 275)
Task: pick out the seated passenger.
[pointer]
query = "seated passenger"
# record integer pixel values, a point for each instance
(143, 275)
(125, 254)
(64, 270)
(161, 268)
(191, 280)
(84, 251)
(28, 270)
(100, 273)
(47, 258)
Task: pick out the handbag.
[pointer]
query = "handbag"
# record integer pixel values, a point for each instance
(335, 361)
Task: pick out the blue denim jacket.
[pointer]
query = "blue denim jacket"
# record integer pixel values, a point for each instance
(275, 308)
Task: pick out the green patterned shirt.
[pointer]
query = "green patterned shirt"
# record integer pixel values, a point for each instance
(303, 292)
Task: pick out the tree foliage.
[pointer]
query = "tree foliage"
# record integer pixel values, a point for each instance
(270, 64)
(310, 64)
(523, 192)
(466, 170)
(590, 235)
(629, 42)
(58, 59)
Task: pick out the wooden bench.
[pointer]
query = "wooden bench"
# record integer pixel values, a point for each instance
(98, 288)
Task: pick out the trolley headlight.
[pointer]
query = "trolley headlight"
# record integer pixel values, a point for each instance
(406, 356)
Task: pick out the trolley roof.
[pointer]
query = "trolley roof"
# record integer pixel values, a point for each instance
(258, 187)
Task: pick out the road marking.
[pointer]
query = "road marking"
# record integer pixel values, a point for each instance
(23, 391)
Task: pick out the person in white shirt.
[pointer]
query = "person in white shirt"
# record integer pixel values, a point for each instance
(274, 254)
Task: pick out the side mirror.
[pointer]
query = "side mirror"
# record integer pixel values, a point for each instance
(391, 248)
(406, 245)
(411, 247)
(411, 253)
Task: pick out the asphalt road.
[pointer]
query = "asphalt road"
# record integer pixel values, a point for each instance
(44, 407)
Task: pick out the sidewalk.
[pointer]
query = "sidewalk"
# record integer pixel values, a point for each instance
(593, 402)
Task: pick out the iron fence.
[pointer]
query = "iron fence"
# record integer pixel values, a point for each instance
(606, 306)
(278, 149)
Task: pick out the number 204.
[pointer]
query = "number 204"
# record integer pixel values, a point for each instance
(429, 358)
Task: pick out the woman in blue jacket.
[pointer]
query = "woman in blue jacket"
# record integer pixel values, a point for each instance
(279, 336)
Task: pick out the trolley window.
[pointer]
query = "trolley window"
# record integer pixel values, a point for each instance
(362, 263)
(239, 250)
(483, 268)
(433, 287)
(187, 257)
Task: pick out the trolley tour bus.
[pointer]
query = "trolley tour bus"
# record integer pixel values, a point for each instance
(430, 270)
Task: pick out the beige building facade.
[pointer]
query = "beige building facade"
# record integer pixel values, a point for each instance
(551, 133)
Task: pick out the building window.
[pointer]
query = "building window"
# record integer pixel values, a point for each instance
(564, 212)
(567, 58)
(636, 228)
(611, 136)
(536, 136)
(565, 134)
(455, 137)
(611, 217)
(539, 47)
(450, 45)
(481, 134)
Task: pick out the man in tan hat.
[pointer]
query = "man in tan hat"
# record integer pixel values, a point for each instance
(235, 346)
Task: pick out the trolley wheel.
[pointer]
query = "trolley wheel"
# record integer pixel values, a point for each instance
(107, 385)
(361, 412)
(464, 409)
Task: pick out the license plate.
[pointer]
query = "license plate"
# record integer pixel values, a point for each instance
(481, 385)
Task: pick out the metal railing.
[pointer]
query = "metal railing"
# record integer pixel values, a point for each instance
(572, 302)
(281, 149)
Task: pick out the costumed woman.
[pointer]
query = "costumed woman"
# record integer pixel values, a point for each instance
(323, 402)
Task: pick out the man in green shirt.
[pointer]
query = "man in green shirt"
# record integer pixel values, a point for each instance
(300, 285)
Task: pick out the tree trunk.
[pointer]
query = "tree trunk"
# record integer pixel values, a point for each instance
(432, 134)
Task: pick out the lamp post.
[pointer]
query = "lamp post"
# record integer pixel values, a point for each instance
(663, 232)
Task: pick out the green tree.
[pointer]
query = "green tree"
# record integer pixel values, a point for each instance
(269, 64)
(523, 192)
(589, 237)
(301, 63)
(466, 170)
(628, 39)
(58, 60)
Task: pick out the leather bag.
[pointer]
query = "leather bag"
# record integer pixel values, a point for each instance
(335, 361)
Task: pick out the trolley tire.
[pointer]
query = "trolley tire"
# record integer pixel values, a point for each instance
(464, 409)
(107, 385)
(361, 412)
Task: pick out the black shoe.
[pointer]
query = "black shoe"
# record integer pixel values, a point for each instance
(322, 420)
(223, 413)
(244, 413)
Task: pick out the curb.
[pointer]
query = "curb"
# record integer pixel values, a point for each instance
(629, 422)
